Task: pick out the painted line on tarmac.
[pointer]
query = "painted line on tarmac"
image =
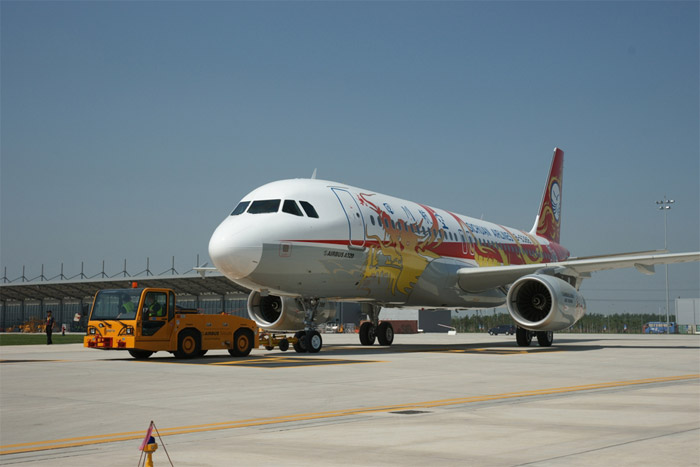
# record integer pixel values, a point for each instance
(137, 435)
(7, 361)
(291, 362)
(269, 361)
(498, 351)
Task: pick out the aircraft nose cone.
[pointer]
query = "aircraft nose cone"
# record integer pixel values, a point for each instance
(234, 250)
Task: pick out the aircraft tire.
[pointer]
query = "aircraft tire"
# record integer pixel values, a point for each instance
(367, 334)
(385, 333)
(314, 341)
(545, 338)
(243, 341)
(140, 354)
(523, 337)
(300, 344)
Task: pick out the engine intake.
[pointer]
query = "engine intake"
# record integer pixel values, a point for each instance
(544, 303)
(276, 313)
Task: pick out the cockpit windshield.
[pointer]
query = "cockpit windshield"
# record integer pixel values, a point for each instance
(264, 206)
(267, 206)
(240, 209)
(116, 304)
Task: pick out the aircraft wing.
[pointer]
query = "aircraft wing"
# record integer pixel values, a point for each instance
(481, 279)
(203, 270)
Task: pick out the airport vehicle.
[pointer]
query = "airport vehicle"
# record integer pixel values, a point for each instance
(659, 327)
(507, 329)
(147, 320)
(296, 243)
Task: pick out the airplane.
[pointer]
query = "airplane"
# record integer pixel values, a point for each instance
(299, 243)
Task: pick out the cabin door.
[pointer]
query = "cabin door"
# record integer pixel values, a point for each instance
(356, 221)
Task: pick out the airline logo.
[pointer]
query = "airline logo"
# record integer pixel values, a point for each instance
(550, 210)
(555, 200)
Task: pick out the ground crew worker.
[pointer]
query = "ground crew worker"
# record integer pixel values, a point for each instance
(153, 308)
(49, 327)
(127, 309)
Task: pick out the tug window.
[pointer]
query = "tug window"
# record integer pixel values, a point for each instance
(308, 209)
(290, 207)
(264, 206)
(240, 209)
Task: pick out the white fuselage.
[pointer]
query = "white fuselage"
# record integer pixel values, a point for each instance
(364, 246)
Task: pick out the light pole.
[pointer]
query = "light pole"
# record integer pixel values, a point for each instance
(665, 206)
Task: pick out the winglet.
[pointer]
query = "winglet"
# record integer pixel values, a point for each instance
(548, 220)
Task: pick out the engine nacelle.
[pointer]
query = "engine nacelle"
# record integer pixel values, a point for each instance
(276, 313)
(544, 303)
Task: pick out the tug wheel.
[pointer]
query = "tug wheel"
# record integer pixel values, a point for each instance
(188, 345)
(242, 343)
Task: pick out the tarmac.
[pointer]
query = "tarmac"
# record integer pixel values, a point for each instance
(430, 399)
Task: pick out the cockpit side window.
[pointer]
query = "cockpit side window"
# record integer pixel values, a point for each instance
(290, 207)
(264, 206)
(308, 209)
(240, 209)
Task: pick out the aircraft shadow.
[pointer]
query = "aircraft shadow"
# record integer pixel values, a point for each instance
(335, 351)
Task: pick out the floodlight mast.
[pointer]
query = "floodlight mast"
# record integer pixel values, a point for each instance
(665, 206)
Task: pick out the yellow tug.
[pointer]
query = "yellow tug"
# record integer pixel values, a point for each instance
(147, 320)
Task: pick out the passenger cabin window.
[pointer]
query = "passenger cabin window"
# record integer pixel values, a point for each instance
(308, 209)
(240, 209)
(264, 206)
(290, 207)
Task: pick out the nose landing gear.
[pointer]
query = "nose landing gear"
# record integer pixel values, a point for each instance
(308, 340)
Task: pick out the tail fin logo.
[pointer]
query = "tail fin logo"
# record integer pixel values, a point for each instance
(548, 221)
(555, 200)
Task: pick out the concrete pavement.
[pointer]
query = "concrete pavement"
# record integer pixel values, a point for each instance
(428, 399)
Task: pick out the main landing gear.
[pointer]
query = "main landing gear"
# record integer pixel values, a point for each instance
(524, 337)
(308, 340)
(371, 330)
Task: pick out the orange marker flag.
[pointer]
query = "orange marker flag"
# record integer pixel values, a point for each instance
(148, 436)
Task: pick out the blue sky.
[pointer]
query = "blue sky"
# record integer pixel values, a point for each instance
(131, 129)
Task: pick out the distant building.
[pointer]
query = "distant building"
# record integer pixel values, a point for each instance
(688, 315)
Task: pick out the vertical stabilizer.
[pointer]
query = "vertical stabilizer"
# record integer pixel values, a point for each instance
(548, 220)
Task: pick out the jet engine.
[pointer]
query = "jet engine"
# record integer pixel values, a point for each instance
(540, 302)
(275, 313)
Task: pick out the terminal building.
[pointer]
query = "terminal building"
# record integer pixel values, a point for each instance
(70, 301)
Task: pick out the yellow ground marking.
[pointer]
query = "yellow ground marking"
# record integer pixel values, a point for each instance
(292, 362)
(9, 361)
(271, 361)
(498, 351)
(135, 435)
